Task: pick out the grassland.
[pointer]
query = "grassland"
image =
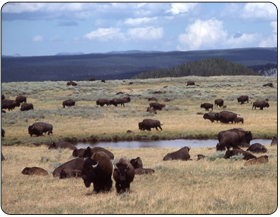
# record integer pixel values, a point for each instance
(193, 187)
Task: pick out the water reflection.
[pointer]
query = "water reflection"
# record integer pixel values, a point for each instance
(178, 143)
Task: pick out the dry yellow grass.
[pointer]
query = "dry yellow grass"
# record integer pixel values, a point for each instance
(177, 187)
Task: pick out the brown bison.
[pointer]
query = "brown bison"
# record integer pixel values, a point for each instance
(2, 132)
(247, 155)
(68, 102)
(274, 141)
(239, 119)
(116, 102)
(211, 116)
(257, 148)
(3, 97)
(62, 145)
(71, 83)
(136, 163)
(190, 83)
(259, 160)
(26, 106)
(90, 151)
(39, 128)
(207, 106)
(103, 80)
(152, 99)
(233, 138)
(219, 102)
(156, 106)
(138, 167)
(75, 164)
(226, 116)
(21, 99)
(34, 171)
(98, 170)
(141, 171)
(91, 79)
(79, 152)
(243, 99)
(123, 175)
(68, 173)
(181, 154)
(151, 110)
(147, 124)
(268, 85)
(260, 104)
(102, 102)
(9, 104)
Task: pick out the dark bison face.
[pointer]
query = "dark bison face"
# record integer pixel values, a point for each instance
(220, 147)
(32, 130)
(25, 171)
(140, 126)
(121, 170)
(90, 172)
(136, 163)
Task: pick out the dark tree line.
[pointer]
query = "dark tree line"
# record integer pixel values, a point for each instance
(206, 67)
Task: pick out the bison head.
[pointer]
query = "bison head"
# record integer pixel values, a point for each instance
(90, 172)
(121, 171)
(25, 171)
(140, 124)
(136, 163)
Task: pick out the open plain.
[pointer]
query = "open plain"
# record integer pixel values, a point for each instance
(210, 186)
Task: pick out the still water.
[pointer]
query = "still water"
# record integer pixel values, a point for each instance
(178, 143)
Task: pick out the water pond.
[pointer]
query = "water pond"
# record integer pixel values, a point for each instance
(178, 143)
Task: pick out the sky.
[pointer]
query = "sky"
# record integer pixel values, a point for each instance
(40, 28)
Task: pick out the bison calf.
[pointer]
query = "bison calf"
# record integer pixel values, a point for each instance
(34, 171)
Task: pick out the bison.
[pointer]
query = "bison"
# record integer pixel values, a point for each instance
(156, 106)
(233, 138)
(75, 164)
(259, 160)
(226, 116)
(9, 104)
(260, 104)
(2, 132)
(71, 83)
(268, 85)
(90, 151)
(102, 102)
(136, 163)
(181, 154)
(79, 152)
(141, 171)
(138, 167)
(39, 128)
(151, 110)
(152, 99)
(190, 83)
(147, 124)
(207, 106)
(21, 99)
(239, 119)
(69, 172)
(26, 106)
(98, 170)
(34, 171)
(68, 102)
(116, 101)
(62, 145)
(91, 79)
(274, 141)
(243, 99)
(211, 116)
(257, 148)
(123, 175)
(247, 155)
(219, 102)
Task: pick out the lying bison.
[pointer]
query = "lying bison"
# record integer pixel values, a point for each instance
(219, 102)
(79, 152)
(123, 175)
(39, 128)
(26, 106)
(207, 106)
(71, 83)
(68, 173)
(62, 145)
(268, 85)
(98, 170)
(226, 116)
(68, 102)
(75, 164)
(152, 99)
(34, 171)
(181, 154)
(257, 148)
(246, 155)
(138, 167)
(156, 105)
(243, 99)
(91, 79)
(233, 138)
(147, 124)
(260, 104)
(102, 102)
(211, 116)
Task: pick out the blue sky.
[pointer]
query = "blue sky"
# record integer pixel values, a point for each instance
(37, 29)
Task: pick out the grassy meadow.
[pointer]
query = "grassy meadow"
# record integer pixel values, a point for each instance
(209, 186)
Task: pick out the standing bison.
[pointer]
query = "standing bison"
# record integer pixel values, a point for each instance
(211, 116)
(123, 175)
(26, 106)
(243, 99)
(69, 102)
(233, 138)
(9, 104)
(207, 106)
(39, 128)
(21, 99)
(219, 102)
(116, 101)
(260, 104)
(98, 170)
(156, 106)
(181, 154)
(226, 116)
(190, 83)
(147, 124)
(102, 102)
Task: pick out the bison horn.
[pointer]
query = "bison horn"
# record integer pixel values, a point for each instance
(94, 166)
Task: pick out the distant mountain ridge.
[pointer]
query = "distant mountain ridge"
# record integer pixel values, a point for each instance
(120, 65)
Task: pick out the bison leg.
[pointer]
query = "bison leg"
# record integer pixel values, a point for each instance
(160, 127)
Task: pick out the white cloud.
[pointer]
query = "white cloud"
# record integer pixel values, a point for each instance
(245, 40)
(139, 21)
(274, 26)
(38, 38)
(105, 34)
(202, 34)
(178, 8)
(147, 33)
(270, 41)
(259, 10)
(56, 38)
